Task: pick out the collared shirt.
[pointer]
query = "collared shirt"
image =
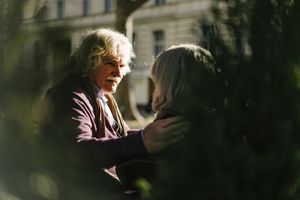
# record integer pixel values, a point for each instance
(104, 105)
(108, 112)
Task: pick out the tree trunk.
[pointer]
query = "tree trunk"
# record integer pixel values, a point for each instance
(125, 94)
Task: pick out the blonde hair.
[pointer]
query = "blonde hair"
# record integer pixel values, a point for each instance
(96, 44)
(170, 72)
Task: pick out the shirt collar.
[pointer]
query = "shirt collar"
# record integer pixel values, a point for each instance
(99, 92)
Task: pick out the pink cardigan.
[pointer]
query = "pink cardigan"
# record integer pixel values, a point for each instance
(72, 125)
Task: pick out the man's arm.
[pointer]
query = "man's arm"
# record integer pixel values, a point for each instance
(74, 122)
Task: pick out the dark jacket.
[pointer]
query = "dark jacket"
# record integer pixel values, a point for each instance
(71, 131)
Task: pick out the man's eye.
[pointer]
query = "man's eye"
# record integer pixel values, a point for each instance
(109, 63)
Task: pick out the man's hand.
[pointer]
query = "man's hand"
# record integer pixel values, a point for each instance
(164, 132)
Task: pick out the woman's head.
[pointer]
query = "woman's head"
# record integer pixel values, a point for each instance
(99, 43)
(175, 70)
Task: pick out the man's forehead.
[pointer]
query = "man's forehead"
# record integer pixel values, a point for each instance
(113, 58)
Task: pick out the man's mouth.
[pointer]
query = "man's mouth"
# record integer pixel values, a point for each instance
(114, 81)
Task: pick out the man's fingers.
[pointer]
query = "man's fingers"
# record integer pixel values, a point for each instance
(164, 132)
(169, 121)
(173, 140)
(176, 132)
(177, 126)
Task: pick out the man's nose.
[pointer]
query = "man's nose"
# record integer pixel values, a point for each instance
(117, 72)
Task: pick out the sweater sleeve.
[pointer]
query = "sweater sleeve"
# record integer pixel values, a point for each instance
(108, 152)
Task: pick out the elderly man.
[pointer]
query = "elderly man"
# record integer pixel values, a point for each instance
(84, 126)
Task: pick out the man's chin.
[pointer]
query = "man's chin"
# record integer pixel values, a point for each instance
(113, 90)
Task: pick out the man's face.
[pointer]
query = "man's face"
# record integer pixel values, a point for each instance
(109, 74)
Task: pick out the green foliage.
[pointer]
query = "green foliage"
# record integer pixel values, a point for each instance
(23, 77)
(144, 187)
(250, 149)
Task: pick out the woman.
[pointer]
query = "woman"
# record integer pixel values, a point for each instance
(181, 72)
(178, 73)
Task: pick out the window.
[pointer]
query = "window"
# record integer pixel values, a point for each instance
(160, 2)
(60, 8)
(134, 36)
(134, 40)
(86, 7)
(159, 41)
(108, 7)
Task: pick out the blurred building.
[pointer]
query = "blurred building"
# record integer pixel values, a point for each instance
(157, 25)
